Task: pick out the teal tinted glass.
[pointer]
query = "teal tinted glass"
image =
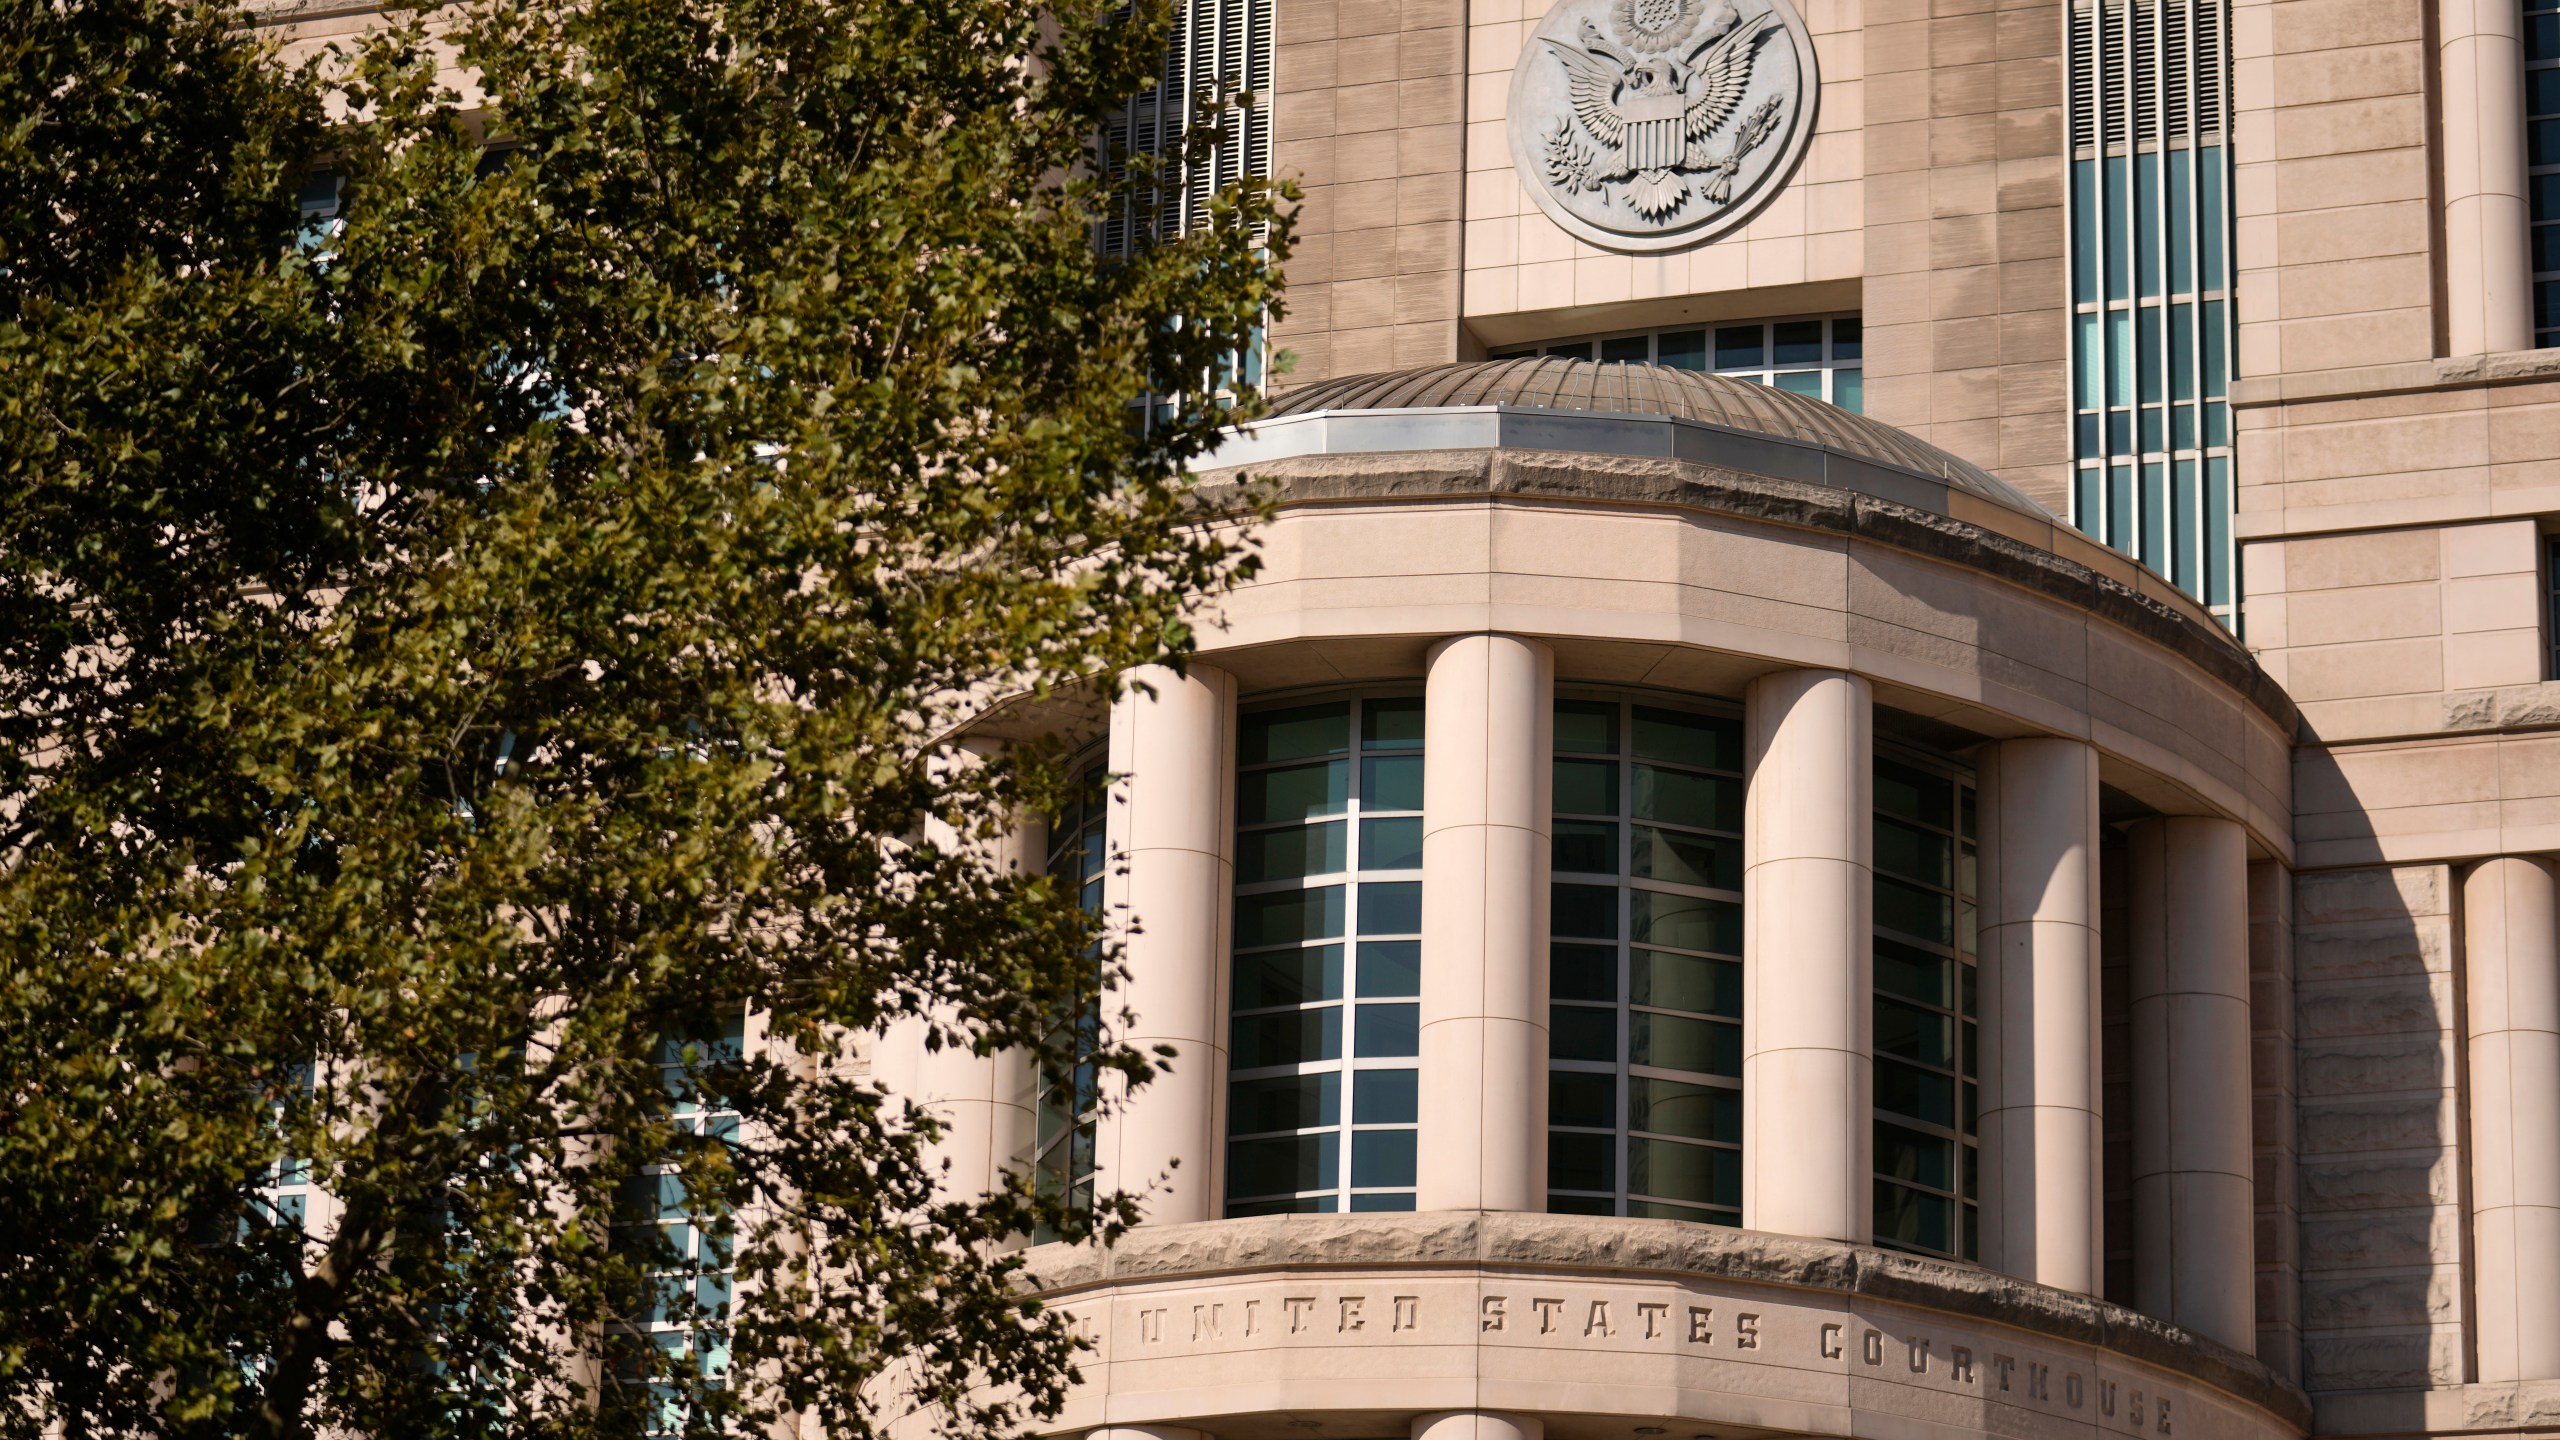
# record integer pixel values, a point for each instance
(1676, 797)
(1677, 1042)
(1684, 922)
(1678, 1171)
(1284, 1102)
(1586, 787)
(1288, 977)
(1391, 908)
(1582, 972)
(1394, 844)
(1287, 1037)
(1686, 859)
(1390, 967)
(1391, 782)
(1300, 792)
(1581, 1032)
(1685, 982)
(1577, 1097)
(1287, 918)
(1585, 847)
(1291, 854)
(1391, 724)
(1670, 1107)
(1587, 727)
(1584, 912)
(1705, 742)
(1300, 734)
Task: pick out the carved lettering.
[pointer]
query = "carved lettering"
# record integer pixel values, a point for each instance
(1919, 1346)
(2071, 1395)
(1547, 1314)
(1829, 1340)
(2133, 1407)
(2037, 1375)
(1297, 1306)
(1151, 1326)
(1653, 1312)
(1701, 1325)
(2003, 1364)
(1408, 1313)
(1350, 1319)
(2107, 1397)
(1875, 1347)
(2164, 1414)
(1252, 1317)
(1746, 1331)
(1597, 1322)
(1206, 1322)
(1960, 1364)
(1496, 1311)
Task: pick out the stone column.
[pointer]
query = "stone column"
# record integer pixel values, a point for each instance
(1808, 956)
(2194, 1212)
(2511, 957)
(985, 1102)
(2038, 805)
(1172, 837)
(1488, 743)
(2488, 275)
(1478, 1425)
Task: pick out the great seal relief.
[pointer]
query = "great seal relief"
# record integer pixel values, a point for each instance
(1652, 124)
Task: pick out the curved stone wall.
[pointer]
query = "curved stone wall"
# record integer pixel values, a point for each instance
(1355, 1325)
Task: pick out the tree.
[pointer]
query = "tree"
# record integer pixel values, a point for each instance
(458, 659)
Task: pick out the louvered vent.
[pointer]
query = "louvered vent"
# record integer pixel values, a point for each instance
(2146, 71)
(1220, 50)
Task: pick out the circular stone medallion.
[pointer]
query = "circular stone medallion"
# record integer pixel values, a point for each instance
(1652, 124)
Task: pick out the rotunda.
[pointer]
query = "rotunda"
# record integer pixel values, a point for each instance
(1638, 888)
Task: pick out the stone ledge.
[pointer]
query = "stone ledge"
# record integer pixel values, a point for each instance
(2452, 372)
(1570, 1243)
(1445, 475)
(2509, 1407)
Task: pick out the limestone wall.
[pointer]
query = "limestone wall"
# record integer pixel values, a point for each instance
(2381, 1174)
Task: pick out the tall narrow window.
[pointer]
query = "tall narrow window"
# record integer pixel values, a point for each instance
(688, 1246)
(1063, 1137)
(2150, 265)
(1928, 1185)
(2542, 161)
(1221, 52)
(1324, 1084)
(1644, 1100)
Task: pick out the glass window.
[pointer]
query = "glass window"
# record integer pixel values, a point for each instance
(2150, 277)
(1926, 1167)
(687, 1249)
(1820, 356)
(2542, 160)
(1063, 1125)
(1322, 1091)
(1644, 1102)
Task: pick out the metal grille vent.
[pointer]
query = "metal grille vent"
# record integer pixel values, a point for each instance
(1217, 48)
(2146, 71)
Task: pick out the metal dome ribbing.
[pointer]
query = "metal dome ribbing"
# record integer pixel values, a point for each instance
(1629, 388)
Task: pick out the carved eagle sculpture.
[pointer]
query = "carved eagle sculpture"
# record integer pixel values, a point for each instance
(1654, 113)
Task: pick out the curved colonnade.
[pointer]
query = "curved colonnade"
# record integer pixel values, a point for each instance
(1858, 594)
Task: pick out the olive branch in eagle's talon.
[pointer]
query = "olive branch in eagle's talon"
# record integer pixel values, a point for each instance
(1716, 185)
(1569, 161)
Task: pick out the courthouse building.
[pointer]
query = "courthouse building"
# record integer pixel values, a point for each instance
(1893, 768)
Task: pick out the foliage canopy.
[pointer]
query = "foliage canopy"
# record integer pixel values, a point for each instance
(456, 656)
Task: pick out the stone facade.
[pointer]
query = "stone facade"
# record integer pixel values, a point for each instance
(2376, 746)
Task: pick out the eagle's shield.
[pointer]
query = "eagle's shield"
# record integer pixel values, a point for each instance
(1654, 139)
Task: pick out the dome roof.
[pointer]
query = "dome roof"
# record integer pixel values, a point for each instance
(1628, 389)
